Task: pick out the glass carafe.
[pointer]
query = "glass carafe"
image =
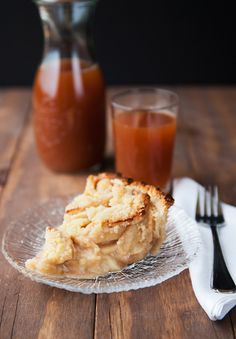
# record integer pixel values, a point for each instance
(68, 91)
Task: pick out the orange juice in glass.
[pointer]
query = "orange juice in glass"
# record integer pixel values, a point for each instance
(144, 127)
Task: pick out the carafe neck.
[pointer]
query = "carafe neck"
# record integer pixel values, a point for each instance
(67, 27)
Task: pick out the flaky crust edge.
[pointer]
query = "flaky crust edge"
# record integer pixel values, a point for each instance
(156, 192)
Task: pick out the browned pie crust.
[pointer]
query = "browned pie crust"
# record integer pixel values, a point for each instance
(115, 222)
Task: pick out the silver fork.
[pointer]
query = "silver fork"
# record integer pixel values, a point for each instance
(221, 278)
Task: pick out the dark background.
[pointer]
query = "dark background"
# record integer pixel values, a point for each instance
(137, 42)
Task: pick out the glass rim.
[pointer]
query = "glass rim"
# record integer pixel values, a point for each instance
(138, 90)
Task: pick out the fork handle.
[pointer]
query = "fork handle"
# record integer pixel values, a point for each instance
(221, 279)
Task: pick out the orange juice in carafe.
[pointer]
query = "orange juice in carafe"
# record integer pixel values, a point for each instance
(69, 91)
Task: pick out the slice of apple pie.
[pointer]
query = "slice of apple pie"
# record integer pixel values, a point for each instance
(115, 222)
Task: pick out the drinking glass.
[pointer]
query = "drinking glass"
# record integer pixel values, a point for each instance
(144, 129)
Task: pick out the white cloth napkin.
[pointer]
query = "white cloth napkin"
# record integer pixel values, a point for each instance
(215, 304)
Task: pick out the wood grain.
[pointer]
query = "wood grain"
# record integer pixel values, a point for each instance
(206, 139)
(31, 310)
(205, 151)
(156, 313)
(14, 109)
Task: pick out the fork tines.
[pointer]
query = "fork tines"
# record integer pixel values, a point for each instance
(211, 209)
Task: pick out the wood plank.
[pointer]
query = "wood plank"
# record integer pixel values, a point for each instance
(233, 321)
(208, 118)
(223, 101)
(222, 105)
(27, 309)
(14, 108)
(170, 310)
(32, 310)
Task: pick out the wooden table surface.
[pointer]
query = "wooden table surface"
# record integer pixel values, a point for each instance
(205, 150)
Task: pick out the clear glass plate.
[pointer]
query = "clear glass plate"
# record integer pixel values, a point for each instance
(24, 238)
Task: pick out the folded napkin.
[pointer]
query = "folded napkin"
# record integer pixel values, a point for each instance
(215, 304)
